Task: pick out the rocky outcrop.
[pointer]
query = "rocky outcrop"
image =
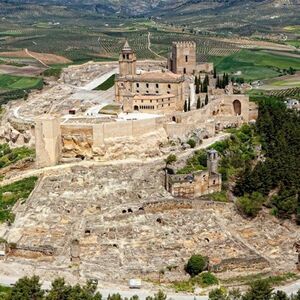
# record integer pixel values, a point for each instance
(125, 225)
(144, 146)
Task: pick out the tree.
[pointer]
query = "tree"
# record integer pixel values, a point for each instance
(205, 84)
(215, 72)
(185, 106)
(192, 143)
(251, 205)
(296, 297)
(280, 295)
(159, 296)
(196, 264)
(197, 84)
(27, 289)
(170, 159)
(218, 294)
(235, 294)
(259, 290)
(198, 103)
(59, 290)
(206, 99)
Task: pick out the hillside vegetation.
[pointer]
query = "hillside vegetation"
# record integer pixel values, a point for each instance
(276, 177)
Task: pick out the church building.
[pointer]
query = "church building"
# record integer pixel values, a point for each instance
(159, 91)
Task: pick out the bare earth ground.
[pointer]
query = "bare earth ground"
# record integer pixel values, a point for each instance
(282, 82)
(21, 71)
(45, 57)
(246, 43)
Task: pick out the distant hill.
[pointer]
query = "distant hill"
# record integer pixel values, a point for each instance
(238, 16)
(149, 7)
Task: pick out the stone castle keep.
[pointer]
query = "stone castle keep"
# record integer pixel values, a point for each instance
(159, 92)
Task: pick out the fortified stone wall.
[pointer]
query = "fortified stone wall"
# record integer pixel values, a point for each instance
(92, 140)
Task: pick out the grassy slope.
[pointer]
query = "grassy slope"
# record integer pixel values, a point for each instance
(109, 83)
(10, 156)
(256, 64)
(11, 193)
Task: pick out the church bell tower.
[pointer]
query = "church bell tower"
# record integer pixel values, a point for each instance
(127, 61)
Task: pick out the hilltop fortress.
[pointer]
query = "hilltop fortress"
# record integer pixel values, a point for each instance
(152, 112)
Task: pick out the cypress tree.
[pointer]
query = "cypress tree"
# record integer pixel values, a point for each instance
(206, 99)
(215, 72)
(198, 103)
(197, 85)
(218, 82)
(185, 106)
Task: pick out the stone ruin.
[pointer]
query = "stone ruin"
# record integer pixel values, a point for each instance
(118, 222)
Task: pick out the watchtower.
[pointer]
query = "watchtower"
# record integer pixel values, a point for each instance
(48, 145)
(127, 61)
(183, 58)
(212, 161)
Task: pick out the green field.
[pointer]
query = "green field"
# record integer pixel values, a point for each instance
(109, 83)
(256, 65)
(294, 29)
(10, 156)
(8, 82)
(10, 194)
(295, 43)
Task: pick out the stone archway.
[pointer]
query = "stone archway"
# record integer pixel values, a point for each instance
(237, 106)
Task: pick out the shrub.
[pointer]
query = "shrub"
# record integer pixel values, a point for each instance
(251, 205)
(192, 143)
(218, 294)
(196, 264)
(171, 159)
(205, 279)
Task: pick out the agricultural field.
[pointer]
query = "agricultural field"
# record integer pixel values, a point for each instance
(256, 65)
(290, 81)
(8, 82)
(292, 92)
(293, 29)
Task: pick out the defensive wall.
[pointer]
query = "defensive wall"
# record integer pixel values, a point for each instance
(84, 139)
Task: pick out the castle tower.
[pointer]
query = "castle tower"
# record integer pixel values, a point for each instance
(127, 61)
(212, 161)
(183, 58)
(48, 143)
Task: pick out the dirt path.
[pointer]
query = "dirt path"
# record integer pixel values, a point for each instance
(31, 55)
(149, 47)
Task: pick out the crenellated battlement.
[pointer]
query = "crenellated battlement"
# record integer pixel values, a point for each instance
(185, 44)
